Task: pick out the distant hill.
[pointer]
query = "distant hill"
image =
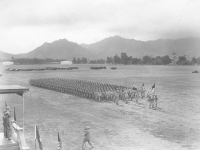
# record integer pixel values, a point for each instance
(85, 45)
(64, 49)
(190, 47)
(116, 45)
(5, 56)
(60, 49)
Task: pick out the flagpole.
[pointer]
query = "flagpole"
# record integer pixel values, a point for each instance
(23, 111)
(35, 144)
(35, 137)
(154, 89)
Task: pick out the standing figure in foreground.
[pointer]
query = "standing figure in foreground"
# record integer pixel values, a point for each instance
(87, 138)
(9, 127)
(5, 117)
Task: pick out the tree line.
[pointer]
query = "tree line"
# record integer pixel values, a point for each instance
(146, 60)
(122, 59)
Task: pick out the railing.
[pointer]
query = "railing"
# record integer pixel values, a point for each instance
(18, 136)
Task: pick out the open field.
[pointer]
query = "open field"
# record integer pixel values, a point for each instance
(175, 125)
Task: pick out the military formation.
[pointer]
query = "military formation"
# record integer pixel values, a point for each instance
(41, 69)
(87, 89)
(97, 91)
(97, 68)
(113, 68)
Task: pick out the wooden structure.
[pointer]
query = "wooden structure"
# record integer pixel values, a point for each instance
(18, 139)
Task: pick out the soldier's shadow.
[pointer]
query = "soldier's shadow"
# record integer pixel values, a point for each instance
(139, 105)
(159, 109)
(89, 148)
(120, 105)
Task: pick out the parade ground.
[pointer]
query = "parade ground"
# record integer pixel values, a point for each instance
(174, 125)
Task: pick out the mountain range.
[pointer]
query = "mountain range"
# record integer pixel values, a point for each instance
(64, 49)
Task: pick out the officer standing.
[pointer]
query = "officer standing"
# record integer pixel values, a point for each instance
(5, 117)
(87, 138)
(9, 126)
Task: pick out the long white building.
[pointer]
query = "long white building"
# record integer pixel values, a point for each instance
(66, 62)
(6, 63)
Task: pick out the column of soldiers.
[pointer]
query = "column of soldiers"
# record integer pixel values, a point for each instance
(85, 89)
(97, 90)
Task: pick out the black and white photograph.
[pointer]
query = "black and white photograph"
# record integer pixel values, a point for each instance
(99, 75)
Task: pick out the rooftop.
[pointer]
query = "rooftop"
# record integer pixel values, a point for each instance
(9, 89)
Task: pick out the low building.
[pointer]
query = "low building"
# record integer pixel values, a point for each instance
(6, 63)
(66, 62)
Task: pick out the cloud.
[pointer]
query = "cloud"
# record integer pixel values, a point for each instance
(27, 24)
(181, 33)
(46, 12)
(160, 19)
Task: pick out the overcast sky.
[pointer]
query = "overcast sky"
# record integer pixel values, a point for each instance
(27, 24)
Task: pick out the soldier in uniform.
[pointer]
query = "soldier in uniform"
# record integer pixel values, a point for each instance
(9, 126)
(5, 117)
(87, 138)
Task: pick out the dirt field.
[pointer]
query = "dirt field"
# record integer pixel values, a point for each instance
(124, 127)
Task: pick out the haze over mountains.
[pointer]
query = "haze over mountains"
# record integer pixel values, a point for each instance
(64, 49)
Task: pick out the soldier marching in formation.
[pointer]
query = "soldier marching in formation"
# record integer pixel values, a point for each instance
(152, 97)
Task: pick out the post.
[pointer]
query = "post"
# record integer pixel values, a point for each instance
(23, 111)
(35, 137)
(35, 144)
